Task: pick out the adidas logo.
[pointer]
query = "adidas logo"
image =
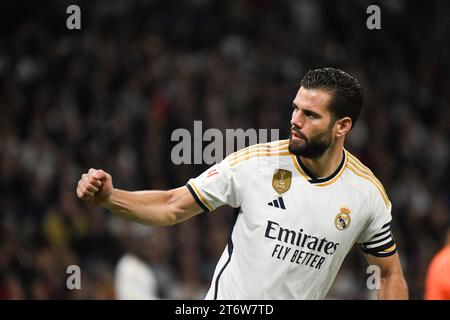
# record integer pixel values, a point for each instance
(277, 203)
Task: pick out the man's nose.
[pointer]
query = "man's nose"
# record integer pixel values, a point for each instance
(297, 121)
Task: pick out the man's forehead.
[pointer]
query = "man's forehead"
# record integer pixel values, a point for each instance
(312, 98)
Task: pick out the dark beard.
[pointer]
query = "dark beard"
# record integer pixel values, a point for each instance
(312, 148)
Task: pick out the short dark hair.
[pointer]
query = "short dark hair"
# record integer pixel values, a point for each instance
(347, 93)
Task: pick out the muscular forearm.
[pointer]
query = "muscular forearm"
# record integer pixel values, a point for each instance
(155, 208)
(146, 207)
(393, 287)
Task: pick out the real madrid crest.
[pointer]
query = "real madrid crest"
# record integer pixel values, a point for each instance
(281, 180)
(343, 219)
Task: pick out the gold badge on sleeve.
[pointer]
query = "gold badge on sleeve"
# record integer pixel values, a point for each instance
(343, 219)
(281, 180)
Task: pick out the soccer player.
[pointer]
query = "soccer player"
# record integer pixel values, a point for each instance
(437, 283)
(301, 204)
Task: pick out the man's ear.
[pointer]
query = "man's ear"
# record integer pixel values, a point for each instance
(344, 125)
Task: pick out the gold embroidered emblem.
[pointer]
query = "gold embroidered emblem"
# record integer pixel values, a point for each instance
(281, 180)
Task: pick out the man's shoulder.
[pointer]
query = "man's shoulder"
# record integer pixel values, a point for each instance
(364, 178)
(259, 154)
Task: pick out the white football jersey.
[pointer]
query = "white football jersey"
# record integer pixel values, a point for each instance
(292, 230)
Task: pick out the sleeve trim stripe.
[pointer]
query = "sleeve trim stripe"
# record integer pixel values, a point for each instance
(382, 254)
(198, 196)
(387, 224)
(379, 243)
(379, 238)
(394, 246)
(380, 234)
(381, 248)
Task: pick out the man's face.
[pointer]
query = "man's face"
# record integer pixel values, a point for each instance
(311, 123)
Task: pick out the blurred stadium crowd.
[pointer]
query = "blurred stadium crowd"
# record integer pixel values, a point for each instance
(110, 95)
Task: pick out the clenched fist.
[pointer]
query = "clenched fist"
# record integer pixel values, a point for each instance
(95, 187)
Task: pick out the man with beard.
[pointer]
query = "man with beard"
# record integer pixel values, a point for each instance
(301, 203)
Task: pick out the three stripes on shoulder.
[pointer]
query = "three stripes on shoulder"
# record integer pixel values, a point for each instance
(278, 148)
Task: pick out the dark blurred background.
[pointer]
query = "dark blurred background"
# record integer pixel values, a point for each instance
(110, 95)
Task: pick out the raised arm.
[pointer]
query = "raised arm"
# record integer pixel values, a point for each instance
(393, 284)
(155, 208)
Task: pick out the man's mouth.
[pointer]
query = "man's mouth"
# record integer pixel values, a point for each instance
(297, 135)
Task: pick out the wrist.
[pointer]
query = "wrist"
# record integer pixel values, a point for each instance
(108, 202)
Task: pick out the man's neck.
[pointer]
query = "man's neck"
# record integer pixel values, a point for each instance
(325, 165)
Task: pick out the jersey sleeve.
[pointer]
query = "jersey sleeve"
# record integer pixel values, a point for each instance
(377, 238)
(222, 184)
